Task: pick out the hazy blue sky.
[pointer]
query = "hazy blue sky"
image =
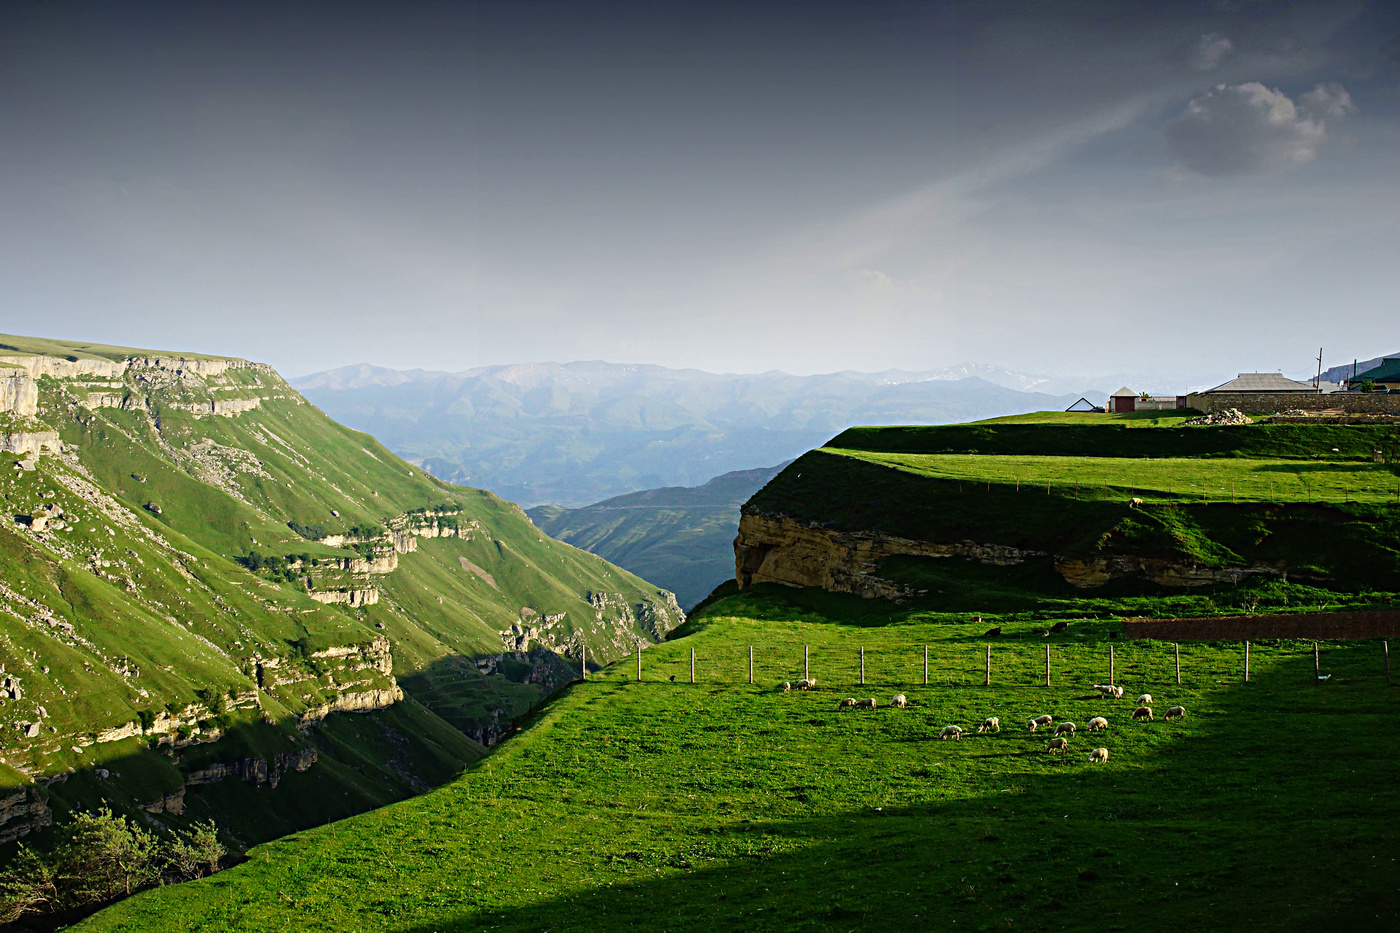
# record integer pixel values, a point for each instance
(1064, 187)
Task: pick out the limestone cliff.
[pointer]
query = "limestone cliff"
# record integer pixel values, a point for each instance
(779, 549)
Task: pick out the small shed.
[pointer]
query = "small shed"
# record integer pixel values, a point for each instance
(1387, 374)
(1125, 399)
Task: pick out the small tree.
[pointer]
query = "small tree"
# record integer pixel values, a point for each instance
(105, 857)
(28, 886)
(193, 854)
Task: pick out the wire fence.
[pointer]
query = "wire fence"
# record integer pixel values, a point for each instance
(1060, 665)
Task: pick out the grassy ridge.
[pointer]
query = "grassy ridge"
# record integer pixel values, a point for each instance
(663, 805)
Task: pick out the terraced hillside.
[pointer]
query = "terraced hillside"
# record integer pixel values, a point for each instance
(1072, 504)
(202, 574)
(650, 802)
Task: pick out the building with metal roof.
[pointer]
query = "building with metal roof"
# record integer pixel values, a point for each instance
(1262, 382)
(1388, 373)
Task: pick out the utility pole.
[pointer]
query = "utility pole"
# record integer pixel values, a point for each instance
(1319, 370)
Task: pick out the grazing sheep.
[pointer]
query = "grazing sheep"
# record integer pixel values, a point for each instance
(900, 701)
(849, 701)
(1134, 503)
(992, 632)
(1145, 700)
(1142, 712)
(1176, 712)
(1059, 627)
(990, 724)
(807, 683)
(1039, 721)
(1066, 728)
(1097, 755)
(1057, 745)
(951, 732)
(1105, 689)
(786, 688)
(867, 703)
(1097, 724)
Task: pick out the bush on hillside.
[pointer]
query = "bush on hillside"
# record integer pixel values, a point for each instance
(309, 532)
(104, 857)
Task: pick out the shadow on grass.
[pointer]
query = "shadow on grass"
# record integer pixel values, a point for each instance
(1227, 821)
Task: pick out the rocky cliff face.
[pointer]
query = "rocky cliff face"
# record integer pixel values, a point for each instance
(779, 549)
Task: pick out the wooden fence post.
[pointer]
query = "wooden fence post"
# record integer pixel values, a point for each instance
(692, 665)
(1110, 664)
(1246, 662)
(988, 681)
(1386, 646)
(583, 661)
(639, 662)
(862, 665)
(806, 668)
(1047, 665)
(750, 665)
(1317, 665)
(925, 665)
(1177, 646)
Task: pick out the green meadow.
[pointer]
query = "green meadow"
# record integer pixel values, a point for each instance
(666, 805)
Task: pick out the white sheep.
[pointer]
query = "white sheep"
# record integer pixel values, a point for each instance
(1039, 721)
(1145, 700)
(867, 703)
(900, 701)
(849, 701)
(1105, 689)
(1142, 712)
(1066, 728)
(807, 683)
(786, 688)
(1097, 724)
(1097, 755)
(951, 732)
(1118, 693)
(1057, 745)
(990, 724)
(1135, 503)
(1176, 712)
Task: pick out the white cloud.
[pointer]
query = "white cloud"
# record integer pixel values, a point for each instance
(1209, 51)
(1238, 129)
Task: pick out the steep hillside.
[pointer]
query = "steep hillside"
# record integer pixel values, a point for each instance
(1137, 502)
(201, 573)
(678, 537)
(575, 433)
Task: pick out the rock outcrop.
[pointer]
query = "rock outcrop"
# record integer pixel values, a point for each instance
(22, 812)
(362, 701)
(778, 549)
(1096, 571)
(19, 393)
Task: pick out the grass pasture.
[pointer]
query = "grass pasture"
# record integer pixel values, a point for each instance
(663, 805)
(1162, 480)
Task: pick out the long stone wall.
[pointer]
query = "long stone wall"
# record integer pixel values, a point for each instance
(1383, 623)
(1270, 403)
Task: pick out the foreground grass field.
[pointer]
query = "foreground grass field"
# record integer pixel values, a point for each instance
(663, 805)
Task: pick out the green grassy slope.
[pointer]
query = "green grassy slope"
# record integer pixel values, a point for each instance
(678, 537)
(665, 806)
(144, 650)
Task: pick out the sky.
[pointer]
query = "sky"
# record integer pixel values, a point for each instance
(1180, 188)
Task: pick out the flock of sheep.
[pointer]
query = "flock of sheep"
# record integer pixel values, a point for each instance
(1059, 743)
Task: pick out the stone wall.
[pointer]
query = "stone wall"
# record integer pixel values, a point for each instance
(1270, 403)
(1318, 625)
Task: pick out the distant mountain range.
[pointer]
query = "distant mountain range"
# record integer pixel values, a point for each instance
(679, 537)
(576, 433)
(1344, 372)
